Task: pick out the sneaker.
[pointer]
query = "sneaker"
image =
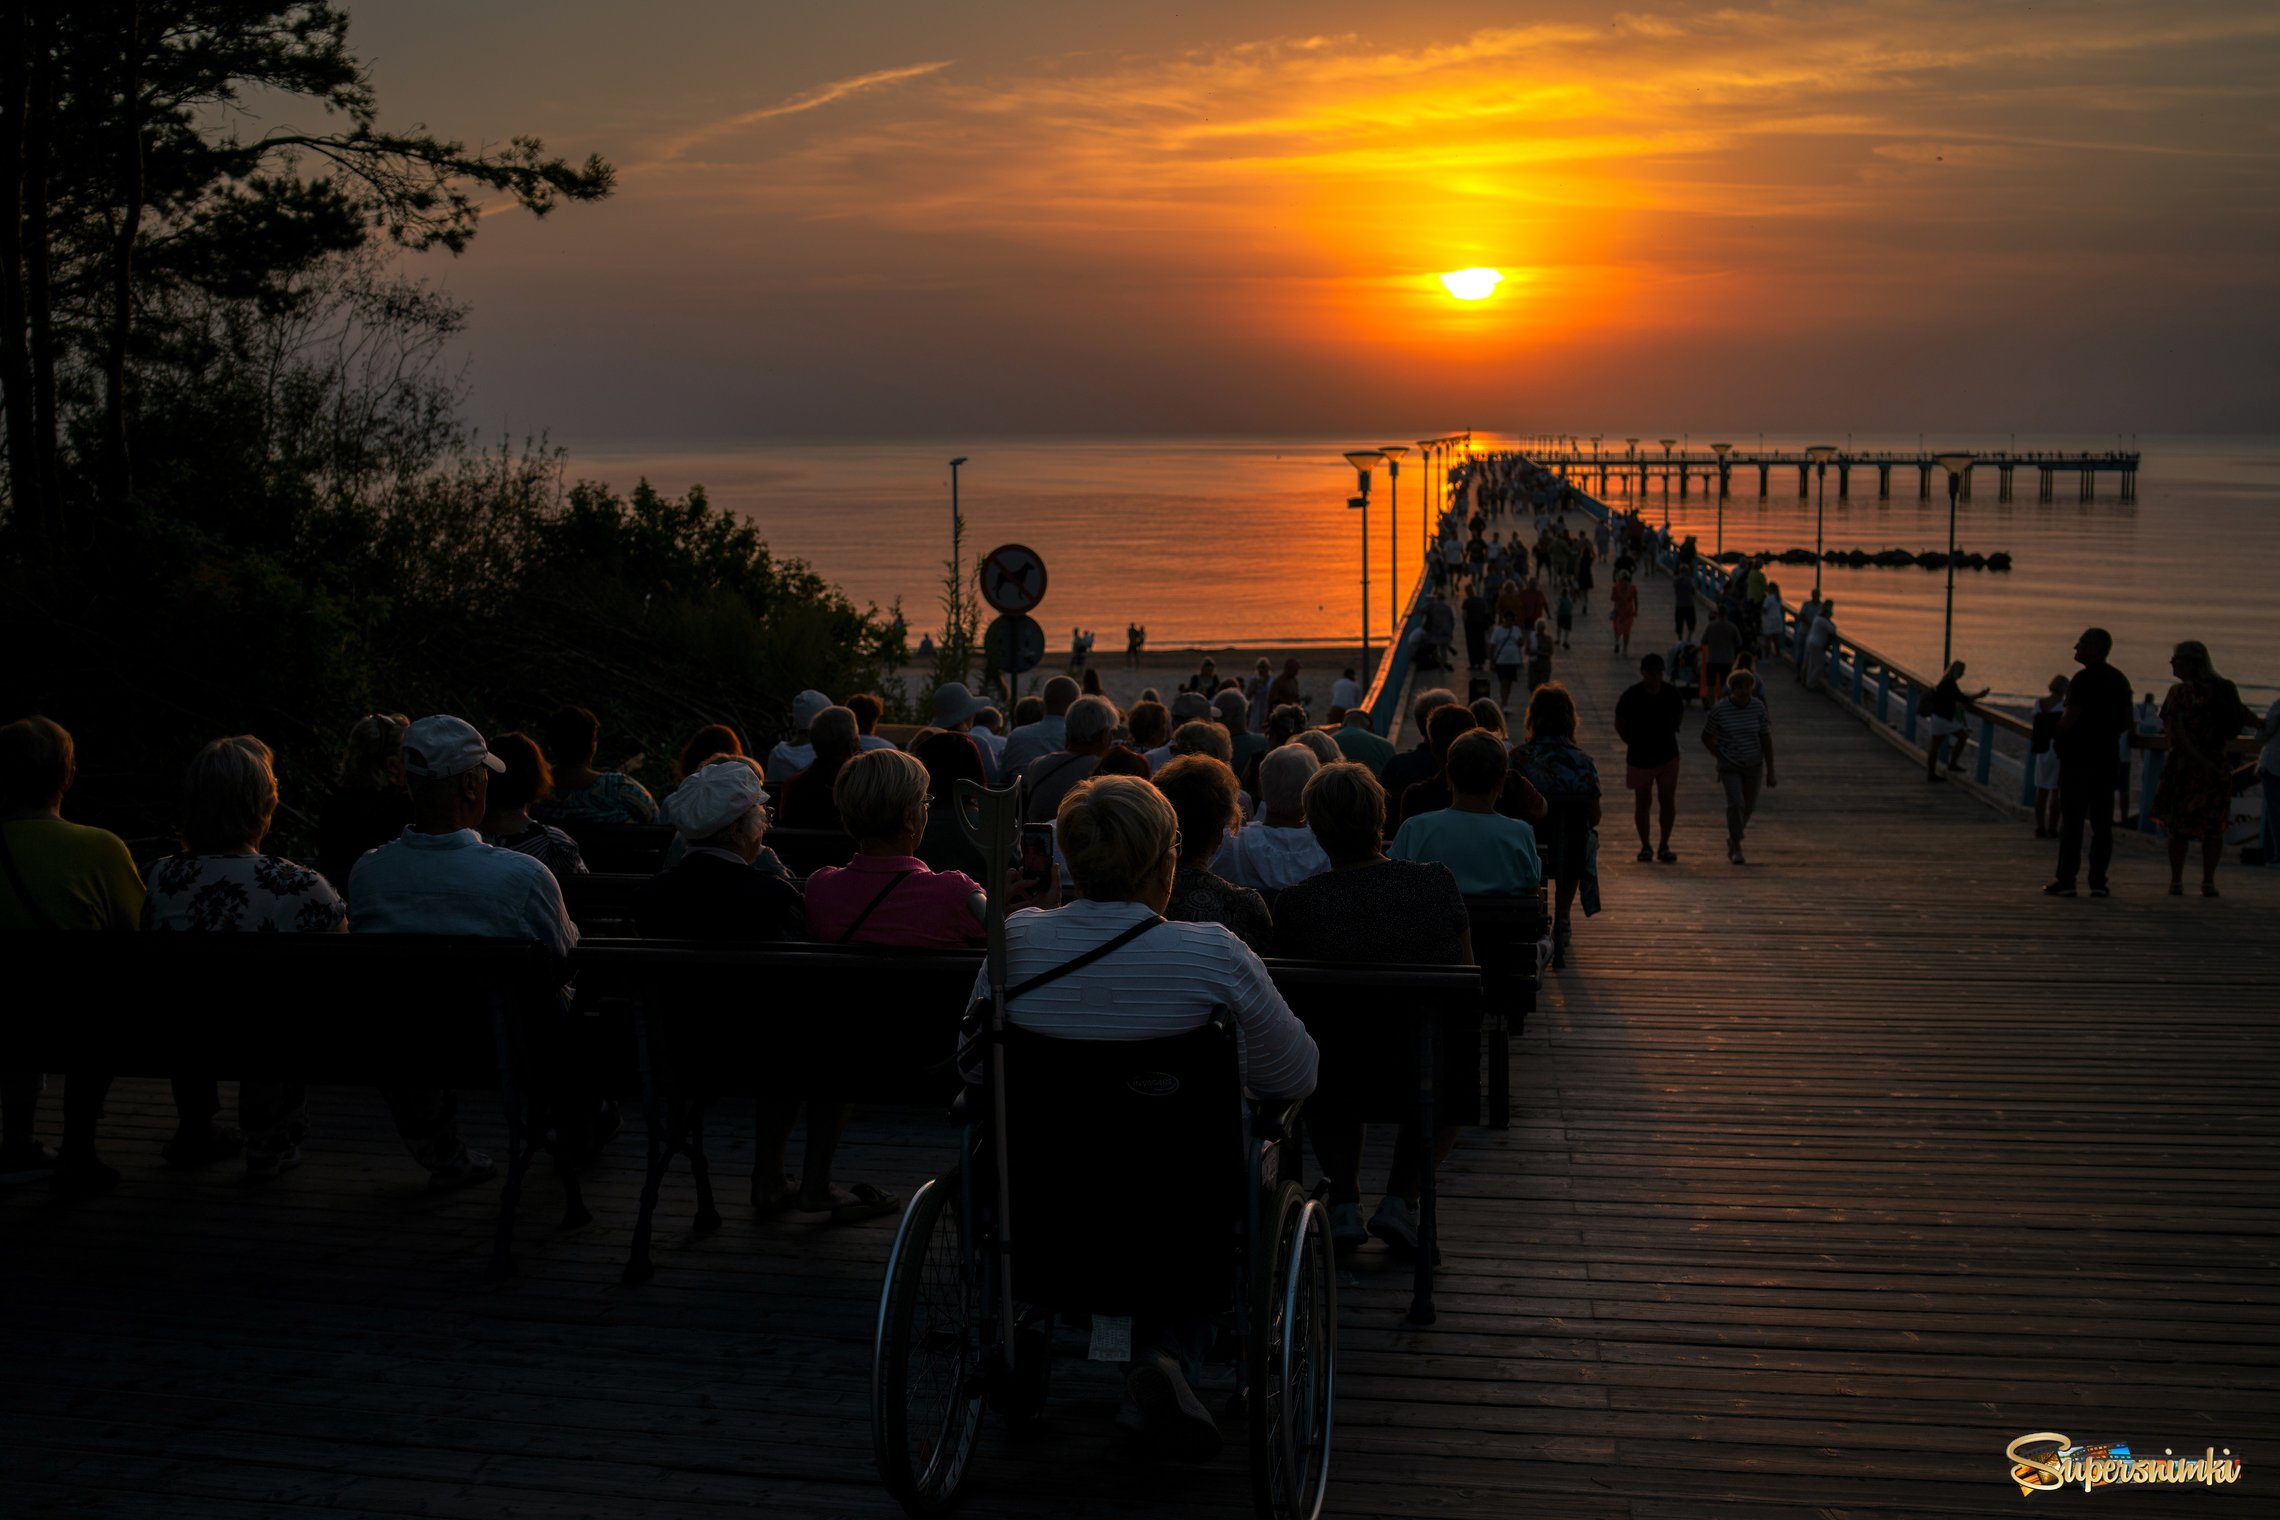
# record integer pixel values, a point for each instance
(2101, 892)
(207, 1143)
(471, 1167)
(1646, 856)
(81, 1177)
(1667, 855)
(1172, 1419)
(25, 1161)
(1395, 1223)
(260, 1166)
(1346, 1230)
(2058, 889)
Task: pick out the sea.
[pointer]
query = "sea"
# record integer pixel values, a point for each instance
(1250, 543)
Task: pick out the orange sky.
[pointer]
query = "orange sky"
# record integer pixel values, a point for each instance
(1023, 217)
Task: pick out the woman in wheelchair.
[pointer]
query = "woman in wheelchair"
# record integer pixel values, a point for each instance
(1108, 967)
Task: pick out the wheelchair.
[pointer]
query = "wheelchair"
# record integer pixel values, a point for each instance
(1205, 1218)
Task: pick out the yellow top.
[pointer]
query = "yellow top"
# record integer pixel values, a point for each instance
(78, 877)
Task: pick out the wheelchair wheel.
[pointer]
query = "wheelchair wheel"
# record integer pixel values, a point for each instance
(1293, 1373)
(926, 1381)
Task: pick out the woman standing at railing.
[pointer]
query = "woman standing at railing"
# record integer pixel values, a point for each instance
(2200, 716)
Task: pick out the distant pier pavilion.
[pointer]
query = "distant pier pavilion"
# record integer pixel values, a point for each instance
(1639, 468)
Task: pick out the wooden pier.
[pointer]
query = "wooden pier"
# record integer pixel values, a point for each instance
(1637, 470)
(1828, 1177)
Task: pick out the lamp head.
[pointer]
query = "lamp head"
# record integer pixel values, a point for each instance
(1955, 464)
(1394, 451)
(1821, 453)
(1720, 449)
(961, 459)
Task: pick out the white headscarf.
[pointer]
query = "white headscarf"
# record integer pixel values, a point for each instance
(713, 798)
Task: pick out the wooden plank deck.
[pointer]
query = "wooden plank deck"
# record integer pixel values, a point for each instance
(1828, 1177)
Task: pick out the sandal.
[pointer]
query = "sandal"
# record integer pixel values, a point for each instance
(867, 1202)
(769, 1205)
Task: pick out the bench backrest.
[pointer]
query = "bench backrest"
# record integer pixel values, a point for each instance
(613, 847)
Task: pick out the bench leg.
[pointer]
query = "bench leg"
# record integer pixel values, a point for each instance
(638, 1267)
(1428, 1188)
(518, 1113)
(1500, 1076)
(569, 1140)
(708, 1217)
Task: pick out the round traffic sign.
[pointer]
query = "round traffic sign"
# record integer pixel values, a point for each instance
(1013, 643)
(1013, 578)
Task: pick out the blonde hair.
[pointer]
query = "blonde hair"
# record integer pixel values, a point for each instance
(1325, 748)
(373, 741)
(1113, 831)
(229, 794)
(876, 790)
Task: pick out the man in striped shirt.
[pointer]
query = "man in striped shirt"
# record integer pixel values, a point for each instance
(1121, 840)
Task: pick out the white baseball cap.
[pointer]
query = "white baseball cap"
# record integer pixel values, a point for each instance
(446, 746)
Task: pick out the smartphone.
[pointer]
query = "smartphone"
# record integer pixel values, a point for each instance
(1036, 850)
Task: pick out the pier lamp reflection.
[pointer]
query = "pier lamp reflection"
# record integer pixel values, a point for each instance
(1820, 454)
(1958, 467)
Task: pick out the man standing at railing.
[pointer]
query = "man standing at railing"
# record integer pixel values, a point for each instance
(2097, 716)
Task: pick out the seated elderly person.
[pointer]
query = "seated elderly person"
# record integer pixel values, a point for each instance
(440, 877)
(886, 895)
(949, 758)
(1325, 748)
(508, 824)
(1150, 726)
(581, 793)
(1121, 840)
(712, 891)
(1369, 908)
(1088, 733)
(805, 797)
(223, 883)
(1202, 793)
(1276, 850)
(1233, 712)
(715, 894)
(1488, 852)
(1518, 799)
(1187, 707)
(1284, 724)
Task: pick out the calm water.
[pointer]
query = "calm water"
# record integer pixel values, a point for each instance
(1233, 542)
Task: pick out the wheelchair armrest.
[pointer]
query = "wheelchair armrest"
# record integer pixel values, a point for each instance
(1275, 1119)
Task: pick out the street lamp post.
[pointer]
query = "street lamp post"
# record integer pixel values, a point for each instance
(1957, 467)
(1721, 450)
(957, 629)
(1361, 460)
(1431, 509)
(1393, 453)
(1820, 454)
(1666, 443)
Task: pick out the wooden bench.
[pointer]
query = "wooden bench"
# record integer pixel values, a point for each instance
(636, 848)
(881, 1026)
(348, 1009)
(1505, 934)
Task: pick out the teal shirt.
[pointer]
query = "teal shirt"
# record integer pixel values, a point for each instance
(1488, 853)
(1363, 747)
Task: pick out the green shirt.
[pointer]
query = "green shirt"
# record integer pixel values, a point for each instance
(77, 878)
(1487, 852)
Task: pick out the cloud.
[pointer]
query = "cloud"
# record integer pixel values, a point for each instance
(807, 100)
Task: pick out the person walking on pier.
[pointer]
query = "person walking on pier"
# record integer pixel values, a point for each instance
(2201, 715)
(1941, 712)
(1541, 642)
(1682, 604)
(1769, 619)
(2097, 715)
(1480, 617)
(1808, 613)
(1625, 612)
(1648, 718)
(1721, 643)
(1740, 734)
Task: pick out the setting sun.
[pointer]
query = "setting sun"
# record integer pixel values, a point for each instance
(1473, 284)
